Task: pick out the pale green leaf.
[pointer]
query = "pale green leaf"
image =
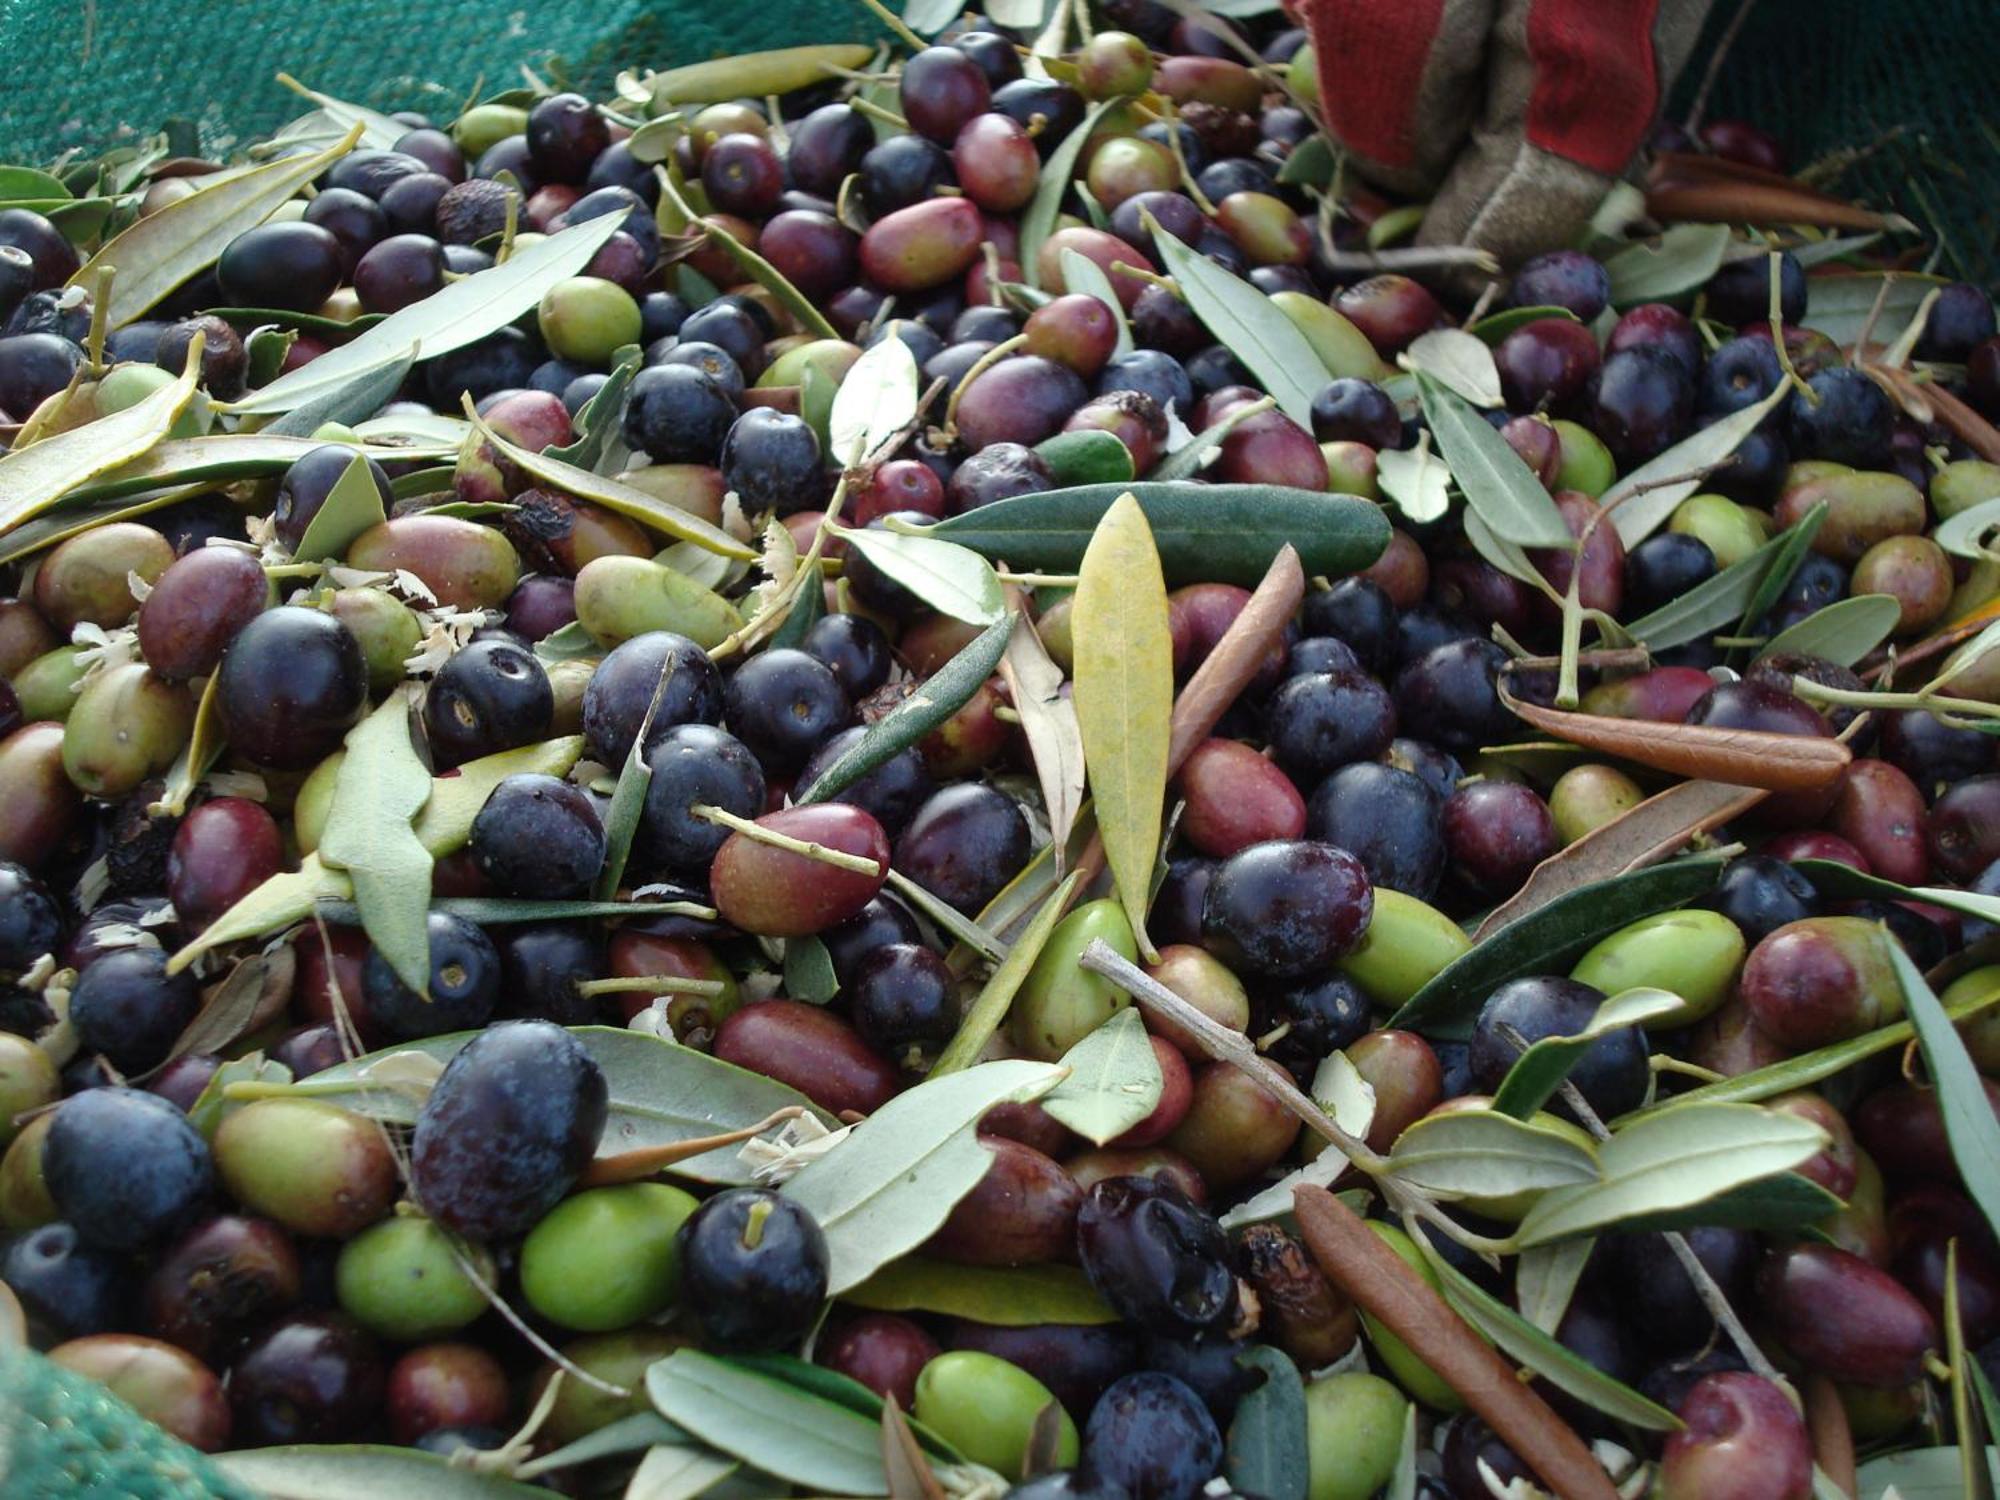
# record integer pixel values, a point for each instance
(1459, 362)
(1539, 1071)
(1005, 1296)
(1483, 1153)
(877, 396)
(1497, 484)
(381, 788)
(1639, 504)
(1546, 1277)
(155, 254)
(1416, 479)
(1969, 533)
(352, 506)
(1674, 1159)
(379, 1471)
(1842, 632)
(890, 1185)
(951, 579)
(1267, 1454)
(1038, 221)
(1686, 257)
(772, 1424)
(1083, 275)
(1256, 330)
(1969, 1123)
(984, 1015)
(1114, 1080)
(678, 1473)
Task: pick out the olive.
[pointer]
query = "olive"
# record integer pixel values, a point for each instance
(403, 1279)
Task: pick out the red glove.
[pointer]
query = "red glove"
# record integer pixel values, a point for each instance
(1516, 114)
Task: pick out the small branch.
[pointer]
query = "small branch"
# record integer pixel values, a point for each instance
(646, 1161)
(1714, 69)
(651, 984)
(840, 859)
(863, 105)
(1414, 258)
(896, 24)
(980, 366)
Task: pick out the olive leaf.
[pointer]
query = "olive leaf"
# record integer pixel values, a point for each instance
(890, 1185)
(1841, 306)
(1048, 721)
(1006, 1297)
(803, 310)
(1114, 1080)
(29, 183)
(1205, 447)
(1686, 257)
(1124, 676)
(1417, 480)
(1549, 940)
(755, 74)
(598, 422)
(1483, 1153)
(1540, 1070)
(1458, 361)
(809, 973)
(1215, 533)
(951, 579)
(216, 459)
(342, 1471)
(1494, 327)
(928, 17)
(875, 399)
(1266, 1453)
(633, 1434)
(778, 1427)
(1497, 483)
(1545, 1279)
(381, 787)
(936, 699)
(1842, 632)
(252, 992)
(1083, 275)
(1256, 330)
(155, 254)
(1641, 502)
(1717, 603)
(660, 1094)
(361, 397)
(1039, 219)
(627, 500)
(213, 1104)
(34, 478)
(984, 1015)
(673, 1471)
(1785, 560)
(205, 745)
(351, 507)
(628, 798)
(1919, 1474)
(1677, 1158)
(1967, 533)
(461, 313)
(1969, 1123)
(379, 132)
(1524, 1342)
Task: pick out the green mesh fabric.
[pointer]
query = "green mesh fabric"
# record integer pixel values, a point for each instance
(90, 72)
(1892, 97)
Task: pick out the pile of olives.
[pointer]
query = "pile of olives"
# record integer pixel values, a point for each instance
(249, 1263)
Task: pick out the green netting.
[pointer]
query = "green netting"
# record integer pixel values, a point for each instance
(1892, 98)
(1906, 85)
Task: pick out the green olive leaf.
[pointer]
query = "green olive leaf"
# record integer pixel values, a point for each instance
(769, 277)
(342, 1471)
(951, 579)
(1969, 1123)
(1497, 483)
(361, 397)
(1545, 1279)
(1007, 1297)
(1038, 222)
(1790, 552)
(1124, 692)
(379, 132)
(875, 399)
(1417, 480)
(755, 74)
(1968, 533)
(1842, 632)
(1640, 502)
(936, 699)
(1550, 938)
(1523, 1341)
(1483, 1153)
(890, 1185)
(1048, 723)
(1203, 448)
(351, 507)
(780, 1428)
(678, 1471)
(598, 422)
(1255, 329)
(381, 787)
(809, 974)
(1540, 1070)
(1840, 306)
(1496, 326)
(217, 459)
(984, 1015)
(1266, 1453)
(1719, 602)
(1459, 362)
(660, 1094)
(164, 249)
(34, 478)
(1204, 533)
(628, 798)
(1685, 258)
(1114, 1080)
(213, 1105)
(1676, 1158)
(929, 17)
(1919, 1474)
(462, 313)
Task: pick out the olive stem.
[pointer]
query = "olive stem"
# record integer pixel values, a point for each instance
(865, 106)
(510, 227)
(1705, 1286)
(1039, 580)
(1970, 708)
(840, 859)
(656, 984)
(1201, 200)
(896, 24)
(100, 315)
(1412, 258)
(1225, 1046)
(1661, 1063)
(1792, 376)
(646, 1161)
(980, 366)
(1714, 69)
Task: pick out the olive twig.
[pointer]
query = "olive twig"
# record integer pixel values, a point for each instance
(840, 859)
(653, 984)
(985, 362)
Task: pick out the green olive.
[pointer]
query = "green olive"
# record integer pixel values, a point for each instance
(986, 1408)
(604, 1259)
(1061, 1003)
(1354, 1435)
(401, 1279)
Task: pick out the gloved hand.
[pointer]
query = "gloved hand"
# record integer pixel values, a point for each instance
(1513, 116)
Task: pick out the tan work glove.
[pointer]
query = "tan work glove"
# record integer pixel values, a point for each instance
(1513, 116)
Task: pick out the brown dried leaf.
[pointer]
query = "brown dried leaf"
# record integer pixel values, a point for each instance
(1645, 835)
(1361, 1264)
(249, 996)
(1743, 757)
(1713, 189)
(1964, 423)
(909, 1472)
(1044, 1455)
(1048, 719)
